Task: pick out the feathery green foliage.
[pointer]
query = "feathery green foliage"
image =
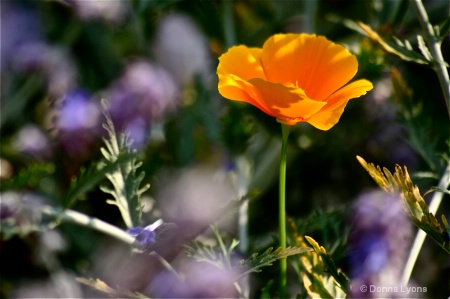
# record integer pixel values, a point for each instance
(91, 177)
(416, 207)
(267, 258)
(125, 182)
(338, 275)
(207, 253)
(316, 269)
(221, 257)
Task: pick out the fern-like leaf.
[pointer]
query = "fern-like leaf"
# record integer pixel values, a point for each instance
(320, 278)
(399, 49)
(89, 178)
(221, 257)
(338, 275)
(257, 261)
(205, 253)
(125, 182)
(416, 207)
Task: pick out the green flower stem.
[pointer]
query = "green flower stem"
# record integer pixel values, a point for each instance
(439, 66)
(242, 182)
(435, 49)
(285, 129)
(90, 222)
(420, 237)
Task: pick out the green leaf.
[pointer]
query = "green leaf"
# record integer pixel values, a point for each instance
(401, 50)
(257, 261)
(338, 275)
(436, 189)
(220, 257)
(444, 29)
(416, 207)
(423, 48)
(90, 178)
(122, 175)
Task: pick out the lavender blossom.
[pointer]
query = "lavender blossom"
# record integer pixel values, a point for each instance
(182, 48)
(202, 280)
(142, 95)
(20, 213)
(78, 122)
(195, 196)
(378, 244)
(32, 141)
(389, 139)
(110, 11)
(20, 26)
(52, 62)
(9, 204)
(144, 236)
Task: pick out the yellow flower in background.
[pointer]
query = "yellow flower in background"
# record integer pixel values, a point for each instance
(294, 77)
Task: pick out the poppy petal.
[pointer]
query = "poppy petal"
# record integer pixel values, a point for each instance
(326, 118)
(288, 104)
(242, 62)
(234, 88)
(313, 63)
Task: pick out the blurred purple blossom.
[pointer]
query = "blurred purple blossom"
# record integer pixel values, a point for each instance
(22, 210)
(52, 62)
(201, 280)
(142, 95)
(9, 204)
(390, 137)
(182, 48)
(31, 140)
(23, 49)
(78, 122)
(19, 26)
(78, 112)
(195, 197)
(110, 11)
(378, 243)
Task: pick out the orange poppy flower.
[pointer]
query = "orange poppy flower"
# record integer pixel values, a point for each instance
(294, 77)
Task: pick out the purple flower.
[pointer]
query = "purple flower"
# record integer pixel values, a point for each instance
(23, 49)
(53, 63)
(378, 243)
(32, 141)
(182, 48)
(142, 95)
(144, 236)
(78, 122)
(9, 204)
(78, 112)
(201, 280)
(20, 26)
(111, 11)
(23, 211)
